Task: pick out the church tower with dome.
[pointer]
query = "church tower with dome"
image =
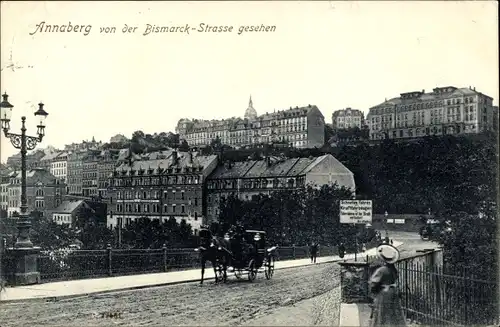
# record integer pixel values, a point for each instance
(250, 113)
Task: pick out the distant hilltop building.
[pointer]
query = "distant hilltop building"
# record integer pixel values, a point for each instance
(347, 118)
(301, 127)
(84, 145)
(118, 138)
(445, 110)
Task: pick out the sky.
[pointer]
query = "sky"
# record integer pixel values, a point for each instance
(330, 54)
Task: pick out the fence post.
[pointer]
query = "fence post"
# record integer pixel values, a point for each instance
(164, 257)
(110, 270)
(293, 252)
(406, 289)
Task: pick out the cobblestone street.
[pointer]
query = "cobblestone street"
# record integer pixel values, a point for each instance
(233, 303)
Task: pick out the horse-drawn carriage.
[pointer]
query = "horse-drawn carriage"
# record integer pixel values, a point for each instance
(240, 251)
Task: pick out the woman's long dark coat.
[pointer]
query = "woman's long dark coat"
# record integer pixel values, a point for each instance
(387, 309)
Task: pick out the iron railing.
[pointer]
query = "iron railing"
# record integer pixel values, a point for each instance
(81, 264)
(433, 295)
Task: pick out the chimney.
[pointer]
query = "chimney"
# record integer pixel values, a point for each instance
(423, 90)
(174, 157)
(474, 88)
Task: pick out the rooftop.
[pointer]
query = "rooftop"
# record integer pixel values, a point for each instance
(184, 159)
(275, 167)
(68, 206)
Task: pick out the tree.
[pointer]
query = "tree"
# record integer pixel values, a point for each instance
(49, 235)
(290, 217)
(146, 233)
(184, 146)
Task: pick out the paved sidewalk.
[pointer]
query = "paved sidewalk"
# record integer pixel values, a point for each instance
(82, 287)
(354, 314)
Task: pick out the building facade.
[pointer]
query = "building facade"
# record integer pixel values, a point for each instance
(445, 110)
(4, 195)
(300, 127)
(69, 212)
(47, 160)
(90, 173)
(75, 171)
(105, 166)
(253, 177)
(160, 189)
(348, 118)
(59, 166)
(44, 192)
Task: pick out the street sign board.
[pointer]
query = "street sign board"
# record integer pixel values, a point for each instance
(355, 211)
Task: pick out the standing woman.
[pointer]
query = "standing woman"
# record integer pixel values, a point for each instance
(387, 309)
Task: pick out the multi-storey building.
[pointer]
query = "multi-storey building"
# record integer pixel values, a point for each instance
(445, 110)
(301, 127)
(347, 118)
(106, 163)
(4, 183)
(59, 166)
(75, 172)
(44, 191)
(47, 160)
(90, 173)
(160, 189)
(254, 177)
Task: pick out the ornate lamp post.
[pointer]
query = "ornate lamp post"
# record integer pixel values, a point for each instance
(23, 248)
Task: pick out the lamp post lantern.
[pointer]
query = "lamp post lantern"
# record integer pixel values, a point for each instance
(23, 248)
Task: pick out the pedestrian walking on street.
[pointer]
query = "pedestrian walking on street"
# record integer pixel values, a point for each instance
(314, 251)
(387, 309)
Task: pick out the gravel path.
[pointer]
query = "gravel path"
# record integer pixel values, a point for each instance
(310, 292)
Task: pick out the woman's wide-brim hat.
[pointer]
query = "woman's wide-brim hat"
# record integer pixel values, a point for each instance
(388, 253)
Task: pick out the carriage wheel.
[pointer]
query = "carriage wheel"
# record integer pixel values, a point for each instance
(252, 272)
(238, 274)
(269, 272)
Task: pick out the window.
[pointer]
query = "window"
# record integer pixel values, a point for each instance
(195, 215)
(183, 209)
